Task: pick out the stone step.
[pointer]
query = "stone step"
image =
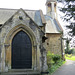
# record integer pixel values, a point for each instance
(21, 70)
(21, 73)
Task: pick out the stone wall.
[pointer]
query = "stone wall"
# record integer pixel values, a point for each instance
(20, 21)
(53, 43)
(0, 51)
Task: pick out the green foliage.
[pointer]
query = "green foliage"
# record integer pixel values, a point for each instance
(73, 51)
(70, 51)
(65, 51)
(69, 10)
(70, 57)
(49, 58)
(54, 67)
(53, 61)
(56, 58)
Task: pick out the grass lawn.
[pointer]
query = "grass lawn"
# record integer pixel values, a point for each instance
(69, 57)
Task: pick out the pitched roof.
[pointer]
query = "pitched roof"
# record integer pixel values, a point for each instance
(52, 26)
(5, 14)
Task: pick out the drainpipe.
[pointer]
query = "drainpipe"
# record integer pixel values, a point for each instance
(61, 47)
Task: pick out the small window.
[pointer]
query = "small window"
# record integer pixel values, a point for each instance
(49, 4)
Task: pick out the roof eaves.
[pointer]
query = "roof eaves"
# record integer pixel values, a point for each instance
(52, 33)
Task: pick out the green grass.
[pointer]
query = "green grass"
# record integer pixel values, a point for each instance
(54, 67)
(70, 57)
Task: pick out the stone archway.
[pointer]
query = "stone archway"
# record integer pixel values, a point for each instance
(8, 42)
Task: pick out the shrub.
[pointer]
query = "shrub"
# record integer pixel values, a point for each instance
(49, 58)
(66, 51)
(52, 58)
(56, 58)
(54, 67)
(70, 51)
(73, 51)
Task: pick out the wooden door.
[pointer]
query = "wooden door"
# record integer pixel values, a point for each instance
(21, 51)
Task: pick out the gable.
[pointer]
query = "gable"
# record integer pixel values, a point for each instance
(21, 18)
(35, 15)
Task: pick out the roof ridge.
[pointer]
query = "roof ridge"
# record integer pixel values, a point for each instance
(17, 9)
(8, 9)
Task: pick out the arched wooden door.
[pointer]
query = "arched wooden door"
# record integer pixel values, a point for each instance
(21, 51)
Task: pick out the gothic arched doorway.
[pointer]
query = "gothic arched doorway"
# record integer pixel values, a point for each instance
(21, 55)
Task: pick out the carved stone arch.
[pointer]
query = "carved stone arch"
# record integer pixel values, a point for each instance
(8, 42)
(18, 28)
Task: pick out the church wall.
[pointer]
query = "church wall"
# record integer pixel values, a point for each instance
(9, 29)
(0, 50)
(53, 43)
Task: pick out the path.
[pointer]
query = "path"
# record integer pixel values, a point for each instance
(67, 69)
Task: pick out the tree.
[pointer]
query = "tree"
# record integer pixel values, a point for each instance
(69, 11)
(67, 44)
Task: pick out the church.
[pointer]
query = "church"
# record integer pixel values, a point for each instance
(25, 38)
